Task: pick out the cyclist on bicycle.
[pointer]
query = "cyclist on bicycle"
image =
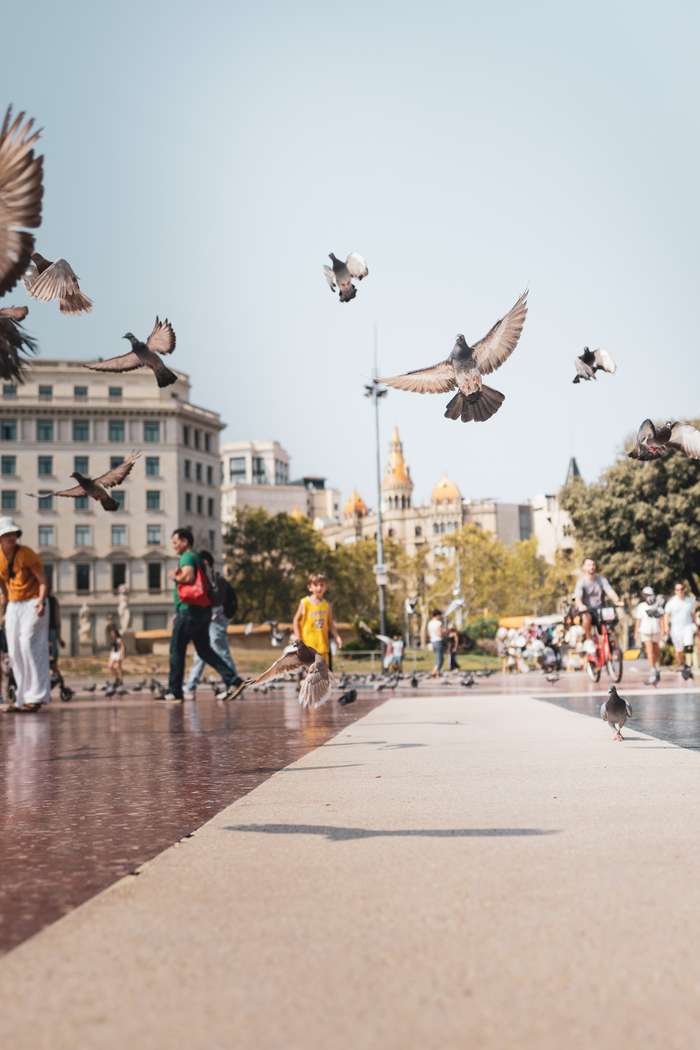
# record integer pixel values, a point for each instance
(590, 591)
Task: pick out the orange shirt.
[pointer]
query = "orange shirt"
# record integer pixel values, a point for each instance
(24, 585)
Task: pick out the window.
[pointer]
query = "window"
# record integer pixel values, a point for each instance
(212, 539)
(8, 429)
(80, 392)
(44, 429)
(8, 499)
(115, 430)
(200, 504)
(46, 534)
(82, 577)
(281, 472)
(151, 430)
(45, 393)
(45, 466)
(45, 502)
(48, 573)
(210, 507)
(210, 475)
(155, 621)
(196, 439)
(120, 496)
(153, 534)
(152, 499)
(115, 392)
(207, 442)
(8, 466)
(154, 576)
(188, 502)
(152, 466)
(418, 531)
(83, 535)
(198, 471)
(9, 390)
(118, 535)
(118, 574)
(115, 461)
(186, 436)
(188, 470)
(236, 468)
(81, 464)
(259, 472)
(525, 522)
(81, 430)
(81, 503)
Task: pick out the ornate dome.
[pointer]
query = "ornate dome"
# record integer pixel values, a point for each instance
(297, 514)
(355, 506)
(446, 491)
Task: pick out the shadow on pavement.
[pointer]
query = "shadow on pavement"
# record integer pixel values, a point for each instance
(334, 834)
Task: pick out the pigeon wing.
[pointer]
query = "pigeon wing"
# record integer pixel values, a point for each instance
(162, 338)
(117, 474)
(438, 379)
(21, 191)
(317, 685)
(583, 370)
(687, 439)
(357, 267)
(123, 363)
(287, 662)
(604, 361)
(498, 344)
(14, 342)
(58, 281)
(77, 490)
(330, 277)
(15, 313)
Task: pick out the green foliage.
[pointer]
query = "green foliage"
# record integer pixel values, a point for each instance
(481, 627)
(641, 522)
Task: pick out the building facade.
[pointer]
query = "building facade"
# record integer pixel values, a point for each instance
(256, 474)
(66, 418)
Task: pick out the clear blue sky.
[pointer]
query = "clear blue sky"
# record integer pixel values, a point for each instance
(202, 159)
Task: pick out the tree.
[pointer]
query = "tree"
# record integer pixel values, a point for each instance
(641, 522)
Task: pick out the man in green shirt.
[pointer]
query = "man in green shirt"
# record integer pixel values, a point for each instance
(191, 623)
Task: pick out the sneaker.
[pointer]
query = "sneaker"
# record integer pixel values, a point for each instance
(229, 692)
(172, 698)
(190, 694)
(589, 647)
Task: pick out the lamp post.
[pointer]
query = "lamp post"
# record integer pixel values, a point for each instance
(374, 391)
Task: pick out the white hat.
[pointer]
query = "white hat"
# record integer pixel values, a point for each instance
(645, 590)
(7, 525)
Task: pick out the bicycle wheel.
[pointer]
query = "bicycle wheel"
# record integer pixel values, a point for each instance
(614, 662)
(593, 670)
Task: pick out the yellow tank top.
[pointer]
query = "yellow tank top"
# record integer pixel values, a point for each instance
(314, 624)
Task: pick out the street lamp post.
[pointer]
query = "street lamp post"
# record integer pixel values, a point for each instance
(375, 392)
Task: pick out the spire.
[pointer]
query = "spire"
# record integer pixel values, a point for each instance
(397, 474)
(573, 473)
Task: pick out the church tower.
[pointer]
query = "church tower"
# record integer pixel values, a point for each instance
(397, 486)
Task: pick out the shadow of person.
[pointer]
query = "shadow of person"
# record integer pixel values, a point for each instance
(335, 834)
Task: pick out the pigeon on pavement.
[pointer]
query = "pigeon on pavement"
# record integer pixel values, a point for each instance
(14, 342)
(615, 711)
(160, 341)
(592, 361)
(48, 280)
(348, 697)
(653, 441)
(96, 488)
(341, 274)
(21, 191)
(465, 367)
(316, 687)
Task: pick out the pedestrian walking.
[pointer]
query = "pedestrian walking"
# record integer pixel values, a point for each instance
(117, 652)
(193, 605)
(647, 617)
(23, 588)
(223, 610)
(679, 622)
(453, 643)
(313, 621)
(436, 639)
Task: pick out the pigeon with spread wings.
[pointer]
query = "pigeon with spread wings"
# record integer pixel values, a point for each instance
(48, 280)
(317, 685)
(14, 342)
(21, 191)
(466, 365)
(341, 274)
(160, 341)
(653, 441)
(96, 488)
(592, 361)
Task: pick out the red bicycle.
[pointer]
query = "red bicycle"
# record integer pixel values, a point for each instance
(608, 653)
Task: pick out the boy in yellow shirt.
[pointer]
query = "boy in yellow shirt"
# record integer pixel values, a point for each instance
(313, 620)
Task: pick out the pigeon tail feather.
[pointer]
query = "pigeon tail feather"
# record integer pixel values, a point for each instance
(163, 374)
(477, 407)
(109, 503)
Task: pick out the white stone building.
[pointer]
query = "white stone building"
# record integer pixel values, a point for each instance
(66, 418)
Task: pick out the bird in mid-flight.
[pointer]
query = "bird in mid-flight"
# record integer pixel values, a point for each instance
(160, 341)
(14, 342)
(341, 274)
(48, 280)
(21, 191)
(466, 365)
(653, 441)
(592, 361)
(96, 488)
(317, 685)
(615, 711)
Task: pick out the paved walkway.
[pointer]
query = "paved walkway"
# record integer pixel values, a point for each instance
(486, 872)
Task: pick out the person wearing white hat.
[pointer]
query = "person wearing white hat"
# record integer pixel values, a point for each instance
(23, 589)
(679, 621)
(647, 618)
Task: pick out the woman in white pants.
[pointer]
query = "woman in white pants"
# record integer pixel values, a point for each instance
(23, 588)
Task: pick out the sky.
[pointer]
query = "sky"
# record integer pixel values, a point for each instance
(202, 159)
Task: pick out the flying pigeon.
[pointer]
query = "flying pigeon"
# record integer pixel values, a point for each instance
(652, 441)
(96, 488)
(317, 685)
(21, 190)
(340, 275)
(14, 342)
(466, 365)
(48, 280)
(592, 361)
(615, 711)
(160, 341)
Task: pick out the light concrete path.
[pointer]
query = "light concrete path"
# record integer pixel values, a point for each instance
(447, 872)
